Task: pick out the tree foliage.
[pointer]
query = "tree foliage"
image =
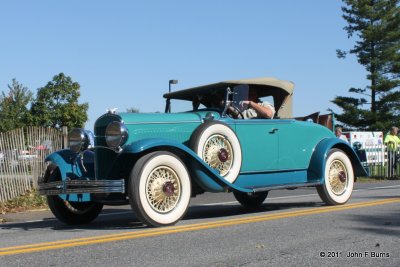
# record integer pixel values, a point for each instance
(56, 104)
(132, 110)
(14, 106)
(376, 26)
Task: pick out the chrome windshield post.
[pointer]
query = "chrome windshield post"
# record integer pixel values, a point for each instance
(227, 101)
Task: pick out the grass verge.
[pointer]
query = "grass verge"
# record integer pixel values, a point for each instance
(375, 179)
(28, 201)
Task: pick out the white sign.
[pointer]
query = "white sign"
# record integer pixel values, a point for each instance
(372, 142)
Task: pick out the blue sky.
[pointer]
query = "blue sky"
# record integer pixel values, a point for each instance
(123, 53)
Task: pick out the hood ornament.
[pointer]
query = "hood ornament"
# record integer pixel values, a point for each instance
(111, 110)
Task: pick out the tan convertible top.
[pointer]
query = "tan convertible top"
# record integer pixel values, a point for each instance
(280, 90)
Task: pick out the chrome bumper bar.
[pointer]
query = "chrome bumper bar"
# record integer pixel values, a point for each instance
(82, 186)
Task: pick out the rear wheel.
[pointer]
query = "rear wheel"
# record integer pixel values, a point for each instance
(250, 200)
(159, 189)
(339, 179)
(72, 213)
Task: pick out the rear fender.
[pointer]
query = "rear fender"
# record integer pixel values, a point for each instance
(206, 177)
(317, 164)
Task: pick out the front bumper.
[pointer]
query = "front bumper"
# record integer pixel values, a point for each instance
(81, 187)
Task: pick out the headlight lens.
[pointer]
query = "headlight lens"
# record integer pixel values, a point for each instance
(116, 134)
(357, 146)
(78, 140)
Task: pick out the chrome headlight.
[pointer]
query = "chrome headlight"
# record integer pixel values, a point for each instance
(116, 134)
(78, 140)
(357, 145)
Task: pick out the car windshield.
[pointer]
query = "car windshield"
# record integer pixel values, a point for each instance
(208, 100)
(178, 105)
(243, 92)
(215, 99)
(240, 93)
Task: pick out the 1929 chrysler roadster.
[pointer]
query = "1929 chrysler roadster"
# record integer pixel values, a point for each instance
(157, 162)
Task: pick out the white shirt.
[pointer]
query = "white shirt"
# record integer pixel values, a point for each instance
(343, 137)
(250, 113)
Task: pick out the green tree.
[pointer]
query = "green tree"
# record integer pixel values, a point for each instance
(13, 106)
(132, 110)
(376, 24)
(56, 104)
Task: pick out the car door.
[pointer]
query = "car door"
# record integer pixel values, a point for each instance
(297, 141)
(259, 143)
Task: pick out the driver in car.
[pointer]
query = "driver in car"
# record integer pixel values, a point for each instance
(255, 108)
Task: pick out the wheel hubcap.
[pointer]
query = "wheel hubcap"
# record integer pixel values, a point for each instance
(223, 155)
(338, 177)
(342, 176)
(163, 189)
(218, 153)
(168, 189)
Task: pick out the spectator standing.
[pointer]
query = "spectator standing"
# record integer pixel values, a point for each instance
(338, 133)
(392, 142)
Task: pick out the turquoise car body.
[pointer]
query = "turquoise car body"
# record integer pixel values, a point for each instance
(276, 153)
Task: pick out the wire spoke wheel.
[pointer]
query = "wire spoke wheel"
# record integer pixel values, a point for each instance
(218, 153)
(338, 181)
(218, 146)
(338, 177)
(159, 188)
(163, 189)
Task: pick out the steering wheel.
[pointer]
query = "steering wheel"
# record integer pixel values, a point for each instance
(236, 109)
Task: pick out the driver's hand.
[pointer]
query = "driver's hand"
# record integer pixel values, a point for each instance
(233, 112)
(244, 103)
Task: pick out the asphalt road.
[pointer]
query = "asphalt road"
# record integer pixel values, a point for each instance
(292, 228)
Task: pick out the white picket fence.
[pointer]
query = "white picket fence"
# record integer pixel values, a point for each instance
(382, 162)
(22, 153)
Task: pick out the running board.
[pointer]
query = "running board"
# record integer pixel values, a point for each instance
(283, 186)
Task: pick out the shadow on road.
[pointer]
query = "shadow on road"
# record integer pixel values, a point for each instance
(216, 211)
(125, 220)
(382, 224)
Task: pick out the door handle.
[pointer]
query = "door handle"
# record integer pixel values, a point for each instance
(273, 131)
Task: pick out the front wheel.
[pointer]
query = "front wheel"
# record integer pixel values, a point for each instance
(339, 179)
(72, 213)
(159, 189)
(250, 200)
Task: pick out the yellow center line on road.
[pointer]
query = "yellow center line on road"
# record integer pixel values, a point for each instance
(184, 228)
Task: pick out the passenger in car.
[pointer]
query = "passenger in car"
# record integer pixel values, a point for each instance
(255, 108)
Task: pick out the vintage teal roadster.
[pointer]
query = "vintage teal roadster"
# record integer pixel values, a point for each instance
(157, 162)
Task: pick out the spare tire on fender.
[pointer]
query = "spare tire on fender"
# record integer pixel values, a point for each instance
(217, 144)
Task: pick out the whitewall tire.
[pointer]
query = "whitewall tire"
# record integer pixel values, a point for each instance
(217, 144)
(159, 189)
(339, 179)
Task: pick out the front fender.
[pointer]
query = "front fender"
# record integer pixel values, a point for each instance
(70, 163)
(73, 166)
(317, 164)
(208, 178)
